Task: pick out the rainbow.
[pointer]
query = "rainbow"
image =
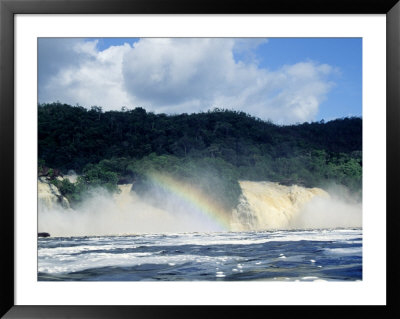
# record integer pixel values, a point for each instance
(194, 197)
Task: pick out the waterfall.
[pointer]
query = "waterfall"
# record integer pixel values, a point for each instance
(268, 205)
(262, 206)
(49, 196)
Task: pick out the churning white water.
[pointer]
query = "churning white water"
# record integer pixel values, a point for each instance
(276, 233)
(269, 206)
(286, 255)
(263, 206)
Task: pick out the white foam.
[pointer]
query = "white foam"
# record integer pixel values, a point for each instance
(344, 251)
(98, 252)
(98, 260)
(249, 238)
(79, 249)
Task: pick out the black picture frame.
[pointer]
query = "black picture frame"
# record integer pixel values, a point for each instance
(8, 8)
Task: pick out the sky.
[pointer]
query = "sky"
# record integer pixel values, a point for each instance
(283, 80)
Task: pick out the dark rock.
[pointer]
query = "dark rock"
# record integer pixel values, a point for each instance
(49, 172)
(127, 179)
(43, 235)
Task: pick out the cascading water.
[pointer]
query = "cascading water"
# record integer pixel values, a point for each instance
(262, 206)
(267, 205)
(49, 196)
(183, 240)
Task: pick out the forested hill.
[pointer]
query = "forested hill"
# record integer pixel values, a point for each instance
(310, 154)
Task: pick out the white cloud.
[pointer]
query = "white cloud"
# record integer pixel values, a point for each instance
(88, 77)
(185, 75)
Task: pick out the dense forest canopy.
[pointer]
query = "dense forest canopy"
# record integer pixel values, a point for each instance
(107, 148)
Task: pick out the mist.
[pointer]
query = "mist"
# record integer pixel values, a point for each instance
(341, 209)
(102, 213)
(270, 205)
(329, 212)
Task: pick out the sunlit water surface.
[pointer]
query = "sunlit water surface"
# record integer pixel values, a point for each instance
(304, 255)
